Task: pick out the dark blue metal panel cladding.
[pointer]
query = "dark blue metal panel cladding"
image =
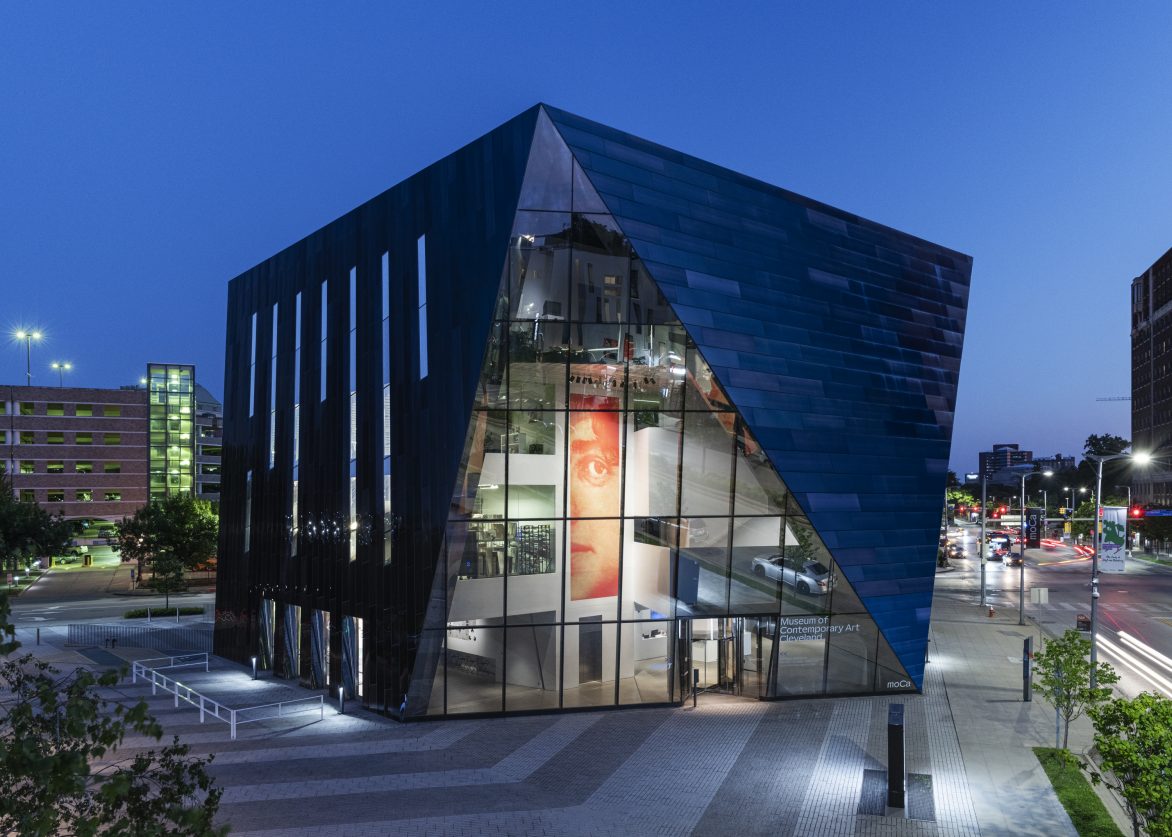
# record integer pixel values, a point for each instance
(463, 205)
(838, 339)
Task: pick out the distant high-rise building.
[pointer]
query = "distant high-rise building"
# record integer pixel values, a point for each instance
(77, 451)
(1002, 457)
(100, 454)
(1055, 463)
(1151, 376)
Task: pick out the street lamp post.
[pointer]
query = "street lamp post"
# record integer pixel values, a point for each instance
(1138, 458)
(28, 337)
(1022, 547)
(981, 546)
(61, 368)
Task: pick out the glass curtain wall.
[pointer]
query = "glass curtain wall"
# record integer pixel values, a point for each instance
(608, 487)
(171, 394)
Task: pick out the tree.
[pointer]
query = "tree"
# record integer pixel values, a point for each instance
(1105, 444)
(167, 575)
(172, 535)
(1062, 676)
(53, 730)
(27, 530)
(1133, 739)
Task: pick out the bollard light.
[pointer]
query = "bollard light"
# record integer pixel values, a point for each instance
(254, 668)
(341, 700)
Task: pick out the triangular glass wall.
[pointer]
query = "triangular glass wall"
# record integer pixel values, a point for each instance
(609, 487)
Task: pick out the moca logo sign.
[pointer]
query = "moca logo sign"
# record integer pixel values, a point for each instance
(899, 684)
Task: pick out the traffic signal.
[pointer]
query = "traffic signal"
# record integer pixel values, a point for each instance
(1136, 511)
(1002, 510)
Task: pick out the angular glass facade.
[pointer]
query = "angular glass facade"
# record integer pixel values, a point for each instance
(646, 425)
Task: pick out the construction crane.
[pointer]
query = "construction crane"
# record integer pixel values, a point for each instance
(1115, 398)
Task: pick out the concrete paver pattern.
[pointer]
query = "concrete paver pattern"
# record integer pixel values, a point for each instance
(732, 766)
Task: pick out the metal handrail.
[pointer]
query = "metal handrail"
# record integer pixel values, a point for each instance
(184, 661)
(206, 705)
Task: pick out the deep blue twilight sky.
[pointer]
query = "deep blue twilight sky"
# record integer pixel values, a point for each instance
(151, 152)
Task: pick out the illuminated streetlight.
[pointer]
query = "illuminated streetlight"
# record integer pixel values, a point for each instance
(1139, 458)
(28, 336)
(1022, 547)
(61, 368)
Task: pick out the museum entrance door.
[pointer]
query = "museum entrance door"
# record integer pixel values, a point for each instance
(727, 656)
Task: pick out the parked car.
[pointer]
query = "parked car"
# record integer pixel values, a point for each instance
(697, 531)
(808, 577)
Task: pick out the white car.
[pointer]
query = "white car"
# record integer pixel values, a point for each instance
(808, 577)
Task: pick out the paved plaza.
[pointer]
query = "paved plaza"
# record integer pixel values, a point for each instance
(730, 766)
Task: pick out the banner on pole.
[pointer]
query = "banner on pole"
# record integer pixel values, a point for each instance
(1033, 527)
(1112, 539)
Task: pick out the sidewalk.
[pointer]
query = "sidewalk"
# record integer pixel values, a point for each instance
(980, 660)
(731, 766)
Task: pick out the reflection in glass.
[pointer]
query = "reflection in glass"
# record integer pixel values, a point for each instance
(537, 364)
(586, 198)
(474, 656)
(493, 384)
(533, 433)
(801, 656)
(755, 585)
(531, 667)
(703, 391)
(649, 307)
(539, 266)
(758, 488)
(850, 665)
(589, 663)
(600, 270)
(647, 567)
(707, 466)
(645, 660)
(548, 177)
(653, 463)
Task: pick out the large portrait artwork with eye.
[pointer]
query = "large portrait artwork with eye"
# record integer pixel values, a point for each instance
(595, 488)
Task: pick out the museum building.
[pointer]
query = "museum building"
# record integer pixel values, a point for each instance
(571, 419)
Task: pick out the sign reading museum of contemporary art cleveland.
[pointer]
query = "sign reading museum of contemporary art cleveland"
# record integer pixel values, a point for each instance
(794, 628)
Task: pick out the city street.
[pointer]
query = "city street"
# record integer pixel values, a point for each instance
(1134, 614)
(93, 593)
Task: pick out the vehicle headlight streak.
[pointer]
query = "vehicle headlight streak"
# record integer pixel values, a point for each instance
(1142, 669)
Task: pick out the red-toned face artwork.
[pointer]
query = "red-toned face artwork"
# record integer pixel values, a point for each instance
(594, 483)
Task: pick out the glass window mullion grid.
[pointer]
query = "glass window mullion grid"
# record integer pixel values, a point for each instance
(623, 458)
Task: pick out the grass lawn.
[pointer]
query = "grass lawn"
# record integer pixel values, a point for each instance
(1151, 559)
(1075, 793)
